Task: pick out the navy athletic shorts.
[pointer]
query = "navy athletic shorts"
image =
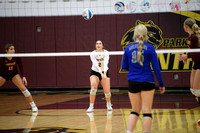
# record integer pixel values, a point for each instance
(8, 76)
(135, 87)
(196, 65)
(98, 74)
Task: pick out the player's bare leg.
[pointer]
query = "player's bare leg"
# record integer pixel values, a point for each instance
(94, 82)
(2, 81)
(135, 99)
(18, 82)
(106, 88)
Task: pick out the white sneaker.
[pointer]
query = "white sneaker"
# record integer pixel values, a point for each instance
(90, 110)
(109, 106)
(34, 109)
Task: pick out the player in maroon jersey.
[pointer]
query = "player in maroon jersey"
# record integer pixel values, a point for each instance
(193, 30)
(9, 71)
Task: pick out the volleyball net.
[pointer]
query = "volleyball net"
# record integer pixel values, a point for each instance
(72, 69)
(89, 53)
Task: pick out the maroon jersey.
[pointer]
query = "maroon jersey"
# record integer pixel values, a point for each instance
(10, 66)
(193, 43)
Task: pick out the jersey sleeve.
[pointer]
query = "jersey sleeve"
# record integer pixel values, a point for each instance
(156, 67)
(106, 61)
(125, 65)
(21, 68)
(94, 61)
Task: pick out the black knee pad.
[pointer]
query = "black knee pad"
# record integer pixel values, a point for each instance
(147, 115)
(134, 113)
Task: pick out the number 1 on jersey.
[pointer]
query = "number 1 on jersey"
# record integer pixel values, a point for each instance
(134, 57)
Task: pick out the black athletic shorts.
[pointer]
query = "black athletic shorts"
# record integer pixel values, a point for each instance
(135, 87)
(196, 65)
(8, 76)
(98, 74)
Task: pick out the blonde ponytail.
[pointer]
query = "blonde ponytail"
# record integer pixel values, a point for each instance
(196, 30)
(140, 34)
(191, 23)
(140, 50)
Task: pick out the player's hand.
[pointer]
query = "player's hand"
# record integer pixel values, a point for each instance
(101, 75)
(162, 90)
(104, 74)
(24, 81)
(185, 61)
(182, 57)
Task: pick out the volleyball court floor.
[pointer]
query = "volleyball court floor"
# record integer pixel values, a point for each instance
(65, 112)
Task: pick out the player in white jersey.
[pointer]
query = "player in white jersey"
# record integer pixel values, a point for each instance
(99, 72)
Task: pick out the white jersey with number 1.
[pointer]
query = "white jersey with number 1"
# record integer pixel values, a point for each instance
(99, 61)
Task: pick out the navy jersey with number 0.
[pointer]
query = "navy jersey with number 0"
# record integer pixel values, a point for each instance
(139, 73)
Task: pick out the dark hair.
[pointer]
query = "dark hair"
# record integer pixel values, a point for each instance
(7, 46)
(101, 42)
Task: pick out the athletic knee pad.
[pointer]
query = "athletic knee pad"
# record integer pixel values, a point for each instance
(147, 115)
(108, 95)
(93, 91)
(134, 113)
(26, 93)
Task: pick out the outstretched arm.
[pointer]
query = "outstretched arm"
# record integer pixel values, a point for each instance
(19, 62)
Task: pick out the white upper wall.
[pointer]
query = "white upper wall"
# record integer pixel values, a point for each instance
(15, 8)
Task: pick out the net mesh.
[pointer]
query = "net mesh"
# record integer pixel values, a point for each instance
(75, 7)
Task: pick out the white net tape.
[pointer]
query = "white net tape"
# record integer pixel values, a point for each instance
(89, 53)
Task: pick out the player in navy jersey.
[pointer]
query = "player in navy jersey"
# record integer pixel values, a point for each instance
(9, 71)
(99, 73)
(141, 85)
(193, 42)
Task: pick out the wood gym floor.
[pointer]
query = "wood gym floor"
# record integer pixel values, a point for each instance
(65, 112)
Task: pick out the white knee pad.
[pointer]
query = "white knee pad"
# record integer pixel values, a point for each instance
(195, 92)
(93, 91)
(108, 95)
(26, 93)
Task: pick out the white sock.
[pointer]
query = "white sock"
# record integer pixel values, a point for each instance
(109, 103)
(91, 104)
(32, 104)
(128, 131)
